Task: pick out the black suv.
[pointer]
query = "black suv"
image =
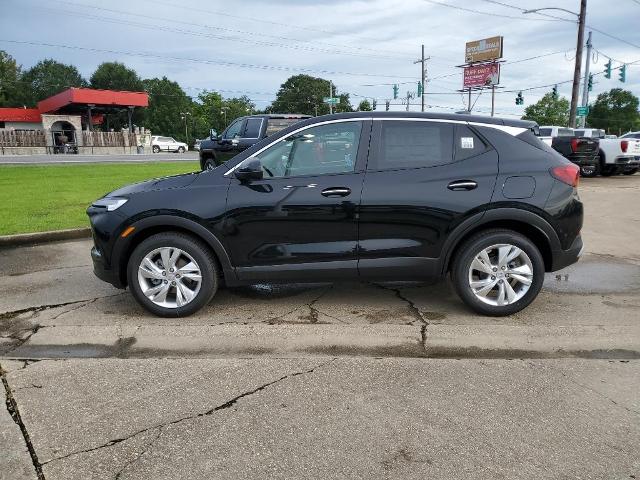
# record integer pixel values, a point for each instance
(372, 196)
(242, 133)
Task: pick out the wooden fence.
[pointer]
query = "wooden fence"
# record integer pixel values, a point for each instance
(108, 139)
(11, 138)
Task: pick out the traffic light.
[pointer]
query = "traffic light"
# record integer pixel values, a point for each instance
(623, 73)
(395, 91)
(607, 69)
(374, 104)
(590, 83)
(554, 91)
(386, 105)
(519, 99)
(419, 89)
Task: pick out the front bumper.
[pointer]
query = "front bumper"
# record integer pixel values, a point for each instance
(564, 258)
(102, 271)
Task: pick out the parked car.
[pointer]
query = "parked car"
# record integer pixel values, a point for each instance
(616, 155)
(581, 150)
(167, 144)
(240, 135)
(366, 195)
(631, 135)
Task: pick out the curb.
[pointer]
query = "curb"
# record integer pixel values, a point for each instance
(25, 239)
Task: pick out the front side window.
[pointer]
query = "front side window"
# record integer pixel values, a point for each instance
(325, 149)
(413, 145)
(234, 129)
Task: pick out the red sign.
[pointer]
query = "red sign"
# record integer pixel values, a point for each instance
(481, 75)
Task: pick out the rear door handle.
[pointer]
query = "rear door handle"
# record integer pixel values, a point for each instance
(462, 185)
(336, 192)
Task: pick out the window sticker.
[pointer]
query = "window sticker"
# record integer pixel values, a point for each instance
(466, 142)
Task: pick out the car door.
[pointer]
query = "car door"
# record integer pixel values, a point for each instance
(229, 144)
(300, 220)
(423, 179)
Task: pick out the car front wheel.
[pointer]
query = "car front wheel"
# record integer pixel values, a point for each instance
(172, 274)
(180, 149)
(589, 171)
(155, 149)
(498, 272)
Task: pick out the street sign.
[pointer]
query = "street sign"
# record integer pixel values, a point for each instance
(582, 111)
(483, 50)
(331, 100)
(485, 75)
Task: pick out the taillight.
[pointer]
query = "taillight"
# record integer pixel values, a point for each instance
(624, 144)
(569, 174)
(574, 145)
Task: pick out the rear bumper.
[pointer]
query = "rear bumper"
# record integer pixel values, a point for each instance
(564, 258)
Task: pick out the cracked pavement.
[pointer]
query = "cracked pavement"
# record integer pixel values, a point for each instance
(358, 380)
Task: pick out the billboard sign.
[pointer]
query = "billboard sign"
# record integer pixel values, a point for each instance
(481, 75)
(483, 50)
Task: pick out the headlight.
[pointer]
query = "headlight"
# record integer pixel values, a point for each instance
(110, 203)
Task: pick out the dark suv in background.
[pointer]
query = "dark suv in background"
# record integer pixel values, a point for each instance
(372, 196)
(240, 135)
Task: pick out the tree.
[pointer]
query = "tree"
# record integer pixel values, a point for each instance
(48, 77)
(364, 106)
(9, 81)
(207, 113)
(238, 107)
(115, 76)
(549, 110)
(304, 94)
(167, 103)
(616, 111)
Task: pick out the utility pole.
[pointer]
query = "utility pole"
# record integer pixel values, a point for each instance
(423, 63)
(330, 97)
(578, 65)
(585, 87)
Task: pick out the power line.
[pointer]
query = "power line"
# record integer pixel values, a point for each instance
(211, 27)
(223, 63)
(457, 7)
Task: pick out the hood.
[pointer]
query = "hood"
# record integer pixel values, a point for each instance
(165, 183)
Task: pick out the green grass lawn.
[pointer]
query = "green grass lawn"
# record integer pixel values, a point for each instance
(54, 197)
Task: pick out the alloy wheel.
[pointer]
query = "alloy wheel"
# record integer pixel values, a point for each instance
(500, 274)
(169, 277)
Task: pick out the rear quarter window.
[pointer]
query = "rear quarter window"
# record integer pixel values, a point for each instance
(467, 143)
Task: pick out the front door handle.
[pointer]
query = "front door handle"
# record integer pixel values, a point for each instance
(336, 192)
(462, 185)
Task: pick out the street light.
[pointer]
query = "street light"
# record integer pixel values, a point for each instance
(223, 111)
(578, 65)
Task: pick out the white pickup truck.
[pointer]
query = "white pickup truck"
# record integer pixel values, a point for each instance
(617, 155)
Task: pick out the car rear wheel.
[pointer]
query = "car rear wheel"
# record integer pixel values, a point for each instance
(180, 149)
(155, 149)
(498, 272)
(172, 274)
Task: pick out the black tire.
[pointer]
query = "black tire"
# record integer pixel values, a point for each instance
(181, 150)
(208, 164)
(197, 250)
(155, 149)
(485, 239)
(633, 171)
(589, 171)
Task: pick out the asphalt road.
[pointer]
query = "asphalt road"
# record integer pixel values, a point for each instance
(191, 156)
(329, 380)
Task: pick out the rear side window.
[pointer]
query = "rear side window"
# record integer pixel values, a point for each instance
(413, 145)
(467, 143)
(565, 132)
(252, 128)
(276, 124)
(545, 132)
(579, 133)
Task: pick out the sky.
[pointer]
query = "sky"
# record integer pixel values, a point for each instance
(251, 47)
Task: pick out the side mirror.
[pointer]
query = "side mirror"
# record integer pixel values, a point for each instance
(249, 171)
(213, 135)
